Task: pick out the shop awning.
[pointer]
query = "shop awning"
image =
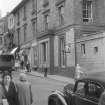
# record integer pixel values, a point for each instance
(14, 50)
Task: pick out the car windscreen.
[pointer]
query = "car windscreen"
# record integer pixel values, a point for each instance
(6, 58)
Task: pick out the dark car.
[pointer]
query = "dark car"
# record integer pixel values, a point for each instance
(86, 91)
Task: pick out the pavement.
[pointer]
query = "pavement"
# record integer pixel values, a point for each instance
(55, 77)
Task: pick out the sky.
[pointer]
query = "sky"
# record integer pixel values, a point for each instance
(7, 6)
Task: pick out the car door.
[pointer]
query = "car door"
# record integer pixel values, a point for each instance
(80, 95)
(94, 92)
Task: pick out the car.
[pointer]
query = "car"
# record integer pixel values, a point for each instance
(85, 91)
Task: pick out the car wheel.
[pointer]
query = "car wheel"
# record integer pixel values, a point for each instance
(54, 101)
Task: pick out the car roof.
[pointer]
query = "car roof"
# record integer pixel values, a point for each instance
(96, 76)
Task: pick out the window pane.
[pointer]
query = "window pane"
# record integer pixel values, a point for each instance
(87, 10)
(94, 90)
(83, 48)
(81, 88)
(61, 14)
(46, 19)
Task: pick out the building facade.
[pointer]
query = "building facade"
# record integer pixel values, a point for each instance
(25, 28)
(3, 32)
(52, 32)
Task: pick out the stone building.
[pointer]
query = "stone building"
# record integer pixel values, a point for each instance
(3, 32)
(54, 33)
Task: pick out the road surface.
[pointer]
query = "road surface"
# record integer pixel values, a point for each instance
(42, 88)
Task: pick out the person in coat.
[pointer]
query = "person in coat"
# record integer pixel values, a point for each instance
(24, 90)
(9, 89)
(1, 94)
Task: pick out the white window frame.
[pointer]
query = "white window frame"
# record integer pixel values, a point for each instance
(61, 14)
(86, 9)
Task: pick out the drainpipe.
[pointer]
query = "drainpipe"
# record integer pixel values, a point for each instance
(75, 52)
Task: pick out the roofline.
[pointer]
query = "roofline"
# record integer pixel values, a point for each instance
(18, 6)
(3, 19)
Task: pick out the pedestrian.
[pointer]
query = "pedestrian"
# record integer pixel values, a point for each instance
(10, 93)
(1, 94)
(28, 66)
(22, 62)
(102, 99)
(78, 72)
(24, 90)
(17, 64)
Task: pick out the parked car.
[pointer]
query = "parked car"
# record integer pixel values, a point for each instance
(85, 91)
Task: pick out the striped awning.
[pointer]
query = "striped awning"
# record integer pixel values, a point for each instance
(14, 50)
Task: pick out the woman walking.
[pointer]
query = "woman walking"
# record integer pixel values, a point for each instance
(9, 88)
(24, 90)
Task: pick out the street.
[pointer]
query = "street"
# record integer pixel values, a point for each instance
(42, 87)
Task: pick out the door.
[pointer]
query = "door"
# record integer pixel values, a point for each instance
(80, 97)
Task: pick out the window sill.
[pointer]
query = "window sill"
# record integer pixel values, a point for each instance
(87, 20)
